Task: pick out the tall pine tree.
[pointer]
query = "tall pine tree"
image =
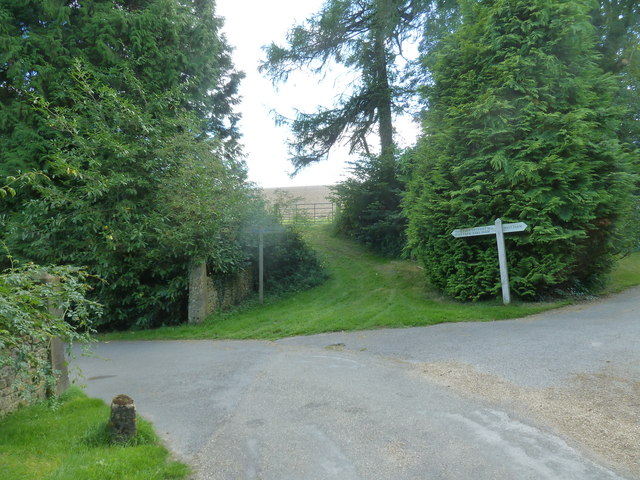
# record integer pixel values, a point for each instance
(367, 37)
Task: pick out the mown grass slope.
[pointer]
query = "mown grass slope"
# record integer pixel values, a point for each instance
(364, 292)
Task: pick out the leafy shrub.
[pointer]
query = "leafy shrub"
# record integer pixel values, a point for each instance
(290, 265)
(27, 325)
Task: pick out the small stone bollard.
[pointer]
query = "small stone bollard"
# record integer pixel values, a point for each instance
(122, 424)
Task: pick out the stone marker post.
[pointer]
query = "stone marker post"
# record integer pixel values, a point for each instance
(122, 424)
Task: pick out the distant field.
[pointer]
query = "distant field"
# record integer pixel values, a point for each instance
(311, 194)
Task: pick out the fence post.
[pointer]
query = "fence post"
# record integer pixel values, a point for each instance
(261, 265)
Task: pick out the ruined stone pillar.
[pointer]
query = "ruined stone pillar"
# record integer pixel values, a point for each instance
(57, 356)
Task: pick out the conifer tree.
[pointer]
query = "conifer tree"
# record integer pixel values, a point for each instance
(365, 36)
(368, 37)
(134, 197)
(127, 107)
(161, 44)
(521, 125)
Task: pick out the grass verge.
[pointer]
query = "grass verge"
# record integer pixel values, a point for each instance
(68, 440)
(364, 292)
(626, 274)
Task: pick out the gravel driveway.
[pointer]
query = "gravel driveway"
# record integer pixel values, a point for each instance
(552, 396)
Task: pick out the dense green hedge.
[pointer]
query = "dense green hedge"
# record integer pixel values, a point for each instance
(133, 197)
(521, 125)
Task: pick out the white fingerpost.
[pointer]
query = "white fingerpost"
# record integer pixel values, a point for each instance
(502, 260)
(498, 229)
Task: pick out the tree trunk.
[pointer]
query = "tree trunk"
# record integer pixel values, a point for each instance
(383, 93)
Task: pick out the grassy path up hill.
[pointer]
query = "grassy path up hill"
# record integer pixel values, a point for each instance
(363, 292)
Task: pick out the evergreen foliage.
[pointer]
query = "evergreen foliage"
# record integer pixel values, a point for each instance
(366, 37)
(135, 197)
(617, 25)
(127, 108)
(370, 206)
(134, 128)
(162, 44)
(521, 125)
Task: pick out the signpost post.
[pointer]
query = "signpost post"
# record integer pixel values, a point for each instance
(261, 231)
(498, 229)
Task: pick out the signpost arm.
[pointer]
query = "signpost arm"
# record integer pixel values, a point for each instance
(261, 265)
(502, 259)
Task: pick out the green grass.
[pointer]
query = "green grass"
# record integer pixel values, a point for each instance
(69, 441)
(625, 275)
(363, 292)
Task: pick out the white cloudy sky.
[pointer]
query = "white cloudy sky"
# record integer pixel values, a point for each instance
(250, 24)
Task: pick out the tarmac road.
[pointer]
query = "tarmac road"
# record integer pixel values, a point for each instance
(553, 396)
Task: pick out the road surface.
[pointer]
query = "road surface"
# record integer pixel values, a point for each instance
(552, 396)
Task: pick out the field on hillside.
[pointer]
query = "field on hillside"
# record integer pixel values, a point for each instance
(310, 194)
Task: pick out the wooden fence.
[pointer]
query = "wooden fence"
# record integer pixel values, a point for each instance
(313, 212)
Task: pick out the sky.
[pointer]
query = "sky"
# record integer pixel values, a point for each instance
(249, 25)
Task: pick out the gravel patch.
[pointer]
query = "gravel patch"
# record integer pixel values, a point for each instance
(599, 413)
